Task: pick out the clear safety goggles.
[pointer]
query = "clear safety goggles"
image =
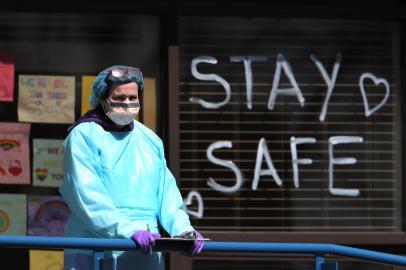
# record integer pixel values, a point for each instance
(118, 72)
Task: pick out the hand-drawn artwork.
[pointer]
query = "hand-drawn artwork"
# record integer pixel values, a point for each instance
(225, 163)
(46, 99)
(41, 174)
(247, 60)
(14, 153)
(47, 215)
(4, 221)
(13, 214)
(263, 151)
(46, 260)
(209, 77)
(6, 77)
(340, 161)
(295, 161)
(376, 81)
(15, 167)
(6, 144)
(281, 63)
(200, 206)
(86, 90)
(330, 81)
(47, 162)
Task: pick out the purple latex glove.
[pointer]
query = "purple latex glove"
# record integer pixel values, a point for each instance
(198, 244)
(145, 240)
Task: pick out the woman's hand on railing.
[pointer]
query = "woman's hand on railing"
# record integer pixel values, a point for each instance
(198, 243)
(145, 240)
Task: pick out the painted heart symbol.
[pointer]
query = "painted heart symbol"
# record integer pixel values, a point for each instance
(41, 173)
(188, 201)
(376, 81)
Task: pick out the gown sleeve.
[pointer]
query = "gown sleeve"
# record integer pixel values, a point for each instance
(84, 191)
(172, 215)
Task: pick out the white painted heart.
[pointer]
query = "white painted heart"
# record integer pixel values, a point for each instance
(188, 201)
(376, 81)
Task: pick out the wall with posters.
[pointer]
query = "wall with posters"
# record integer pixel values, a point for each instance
(45, 82)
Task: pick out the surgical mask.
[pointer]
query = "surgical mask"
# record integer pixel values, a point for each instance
(121, 113)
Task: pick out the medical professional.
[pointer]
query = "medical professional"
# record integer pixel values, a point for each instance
(116, 181)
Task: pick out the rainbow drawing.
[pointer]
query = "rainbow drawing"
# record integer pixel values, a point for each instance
(8, 144)
(4, 221)
(52, 211)
(41, 174)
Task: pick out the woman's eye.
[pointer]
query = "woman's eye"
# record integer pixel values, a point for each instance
(119, 98)
(124, 98)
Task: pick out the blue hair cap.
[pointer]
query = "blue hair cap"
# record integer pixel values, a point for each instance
(106, 78)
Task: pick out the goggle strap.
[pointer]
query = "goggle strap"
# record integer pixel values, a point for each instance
(125, 105)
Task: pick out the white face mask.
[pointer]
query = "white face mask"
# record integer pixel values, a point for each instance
(121, 113)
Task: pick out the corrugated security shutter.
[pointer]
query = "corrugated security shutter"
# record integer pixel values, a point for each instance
(351, 136)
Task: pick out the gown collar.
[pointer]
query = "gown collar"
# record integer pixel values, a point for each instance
(97, 115)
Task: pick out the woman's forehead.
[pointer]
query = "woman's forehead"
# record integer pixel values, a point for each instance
(125, 89)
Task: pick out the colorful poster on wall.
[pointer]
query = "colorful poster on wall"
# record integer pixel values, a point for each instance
(149, 108)
(46, 260)
(6, 77)
(14, 153)
(13, 214)
(47, 162)
(46, 99)
(47, 215)
(87, 81)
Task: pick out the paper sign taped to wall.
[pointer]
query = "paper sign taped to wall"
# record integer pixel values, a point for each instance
(46, 260)
(47, 162)
(14, 153)
(6, 77)
(13, 214)
(46, 99)
(87, 81)
(47, 215)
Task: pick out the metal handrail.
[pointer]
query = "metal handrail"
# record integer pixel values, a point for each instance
(96, 244)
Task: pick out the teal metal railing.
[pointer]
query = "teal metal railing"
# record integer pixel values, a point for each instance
(100, 245)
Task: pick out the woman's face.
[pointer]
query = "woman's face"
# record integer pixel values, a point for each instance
(124, 93)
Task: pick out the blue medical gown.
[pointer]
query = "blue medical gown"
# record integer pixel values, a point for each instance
(116, 183)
